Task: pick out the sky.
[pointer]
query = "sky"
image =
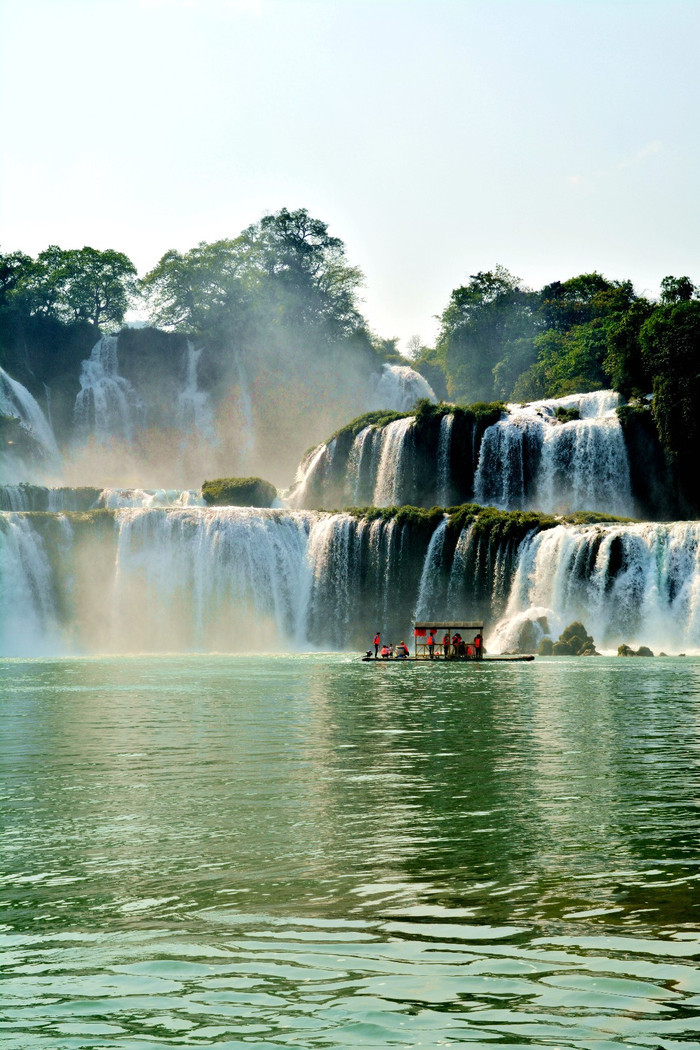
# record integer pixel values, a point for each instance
(437, 138)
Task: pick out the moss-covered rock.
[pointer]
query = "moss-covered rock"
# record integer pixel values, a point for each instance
(239, 492)
(546, 647)
(626, 650)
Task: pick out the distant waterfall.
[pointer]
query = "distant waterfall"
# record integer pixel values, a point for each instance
(107, 406)
(530, 459)
(398, 387)
(33, 450)
(194, 405)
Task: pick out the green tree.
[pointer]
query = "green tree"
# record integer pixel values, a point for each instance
(577, 316)
(76, 285)
(677, 290)
(480, 323)
(623, 363)
(285, 271)
(670, 342)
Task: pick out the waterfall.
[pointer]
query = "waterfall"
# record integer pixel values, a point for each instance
(398, 387)
(29, 624)
(391, 457)
(212, 579)
(637, 583)
(531, 460)
(107, 406)
(429, 589)
(31, 449)
(169, 579)
(443, 460)
(194, 405)
(360, 483)
(113, 499)
(311, 476)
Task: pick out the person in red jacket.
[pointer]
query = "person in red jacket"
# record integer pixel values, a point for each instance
(478, 647)
(377, 643)
(446, 644)
(431, 644)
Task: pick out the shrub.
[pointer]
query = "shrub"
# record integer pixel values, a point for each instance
(239, 492)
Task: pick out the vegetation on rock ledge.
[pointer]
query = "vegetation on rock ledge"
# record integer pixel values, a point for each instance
(239, 492)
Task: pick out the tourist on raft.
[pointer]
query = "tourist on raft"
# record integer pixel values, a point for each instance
(401, 651)
(431, 645)
(446, 644)
(386, 652)
(478, 647)
(377, 642)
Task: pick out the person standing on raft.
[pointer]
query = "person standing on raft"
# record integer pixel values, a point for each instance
(478, 647)
(377, 642)
(446, 644)
(431, 645)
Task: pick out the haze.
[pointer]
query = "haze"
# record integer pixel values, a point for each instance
(436, 139)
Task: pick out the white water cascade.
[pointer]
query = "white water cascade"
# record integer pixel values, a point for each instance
(107, 407)
(637, 583)
(39, 455)
(195, 410)
(398, 387)
(225, 579)
(389, 453)
(443, 459)
(531, 460)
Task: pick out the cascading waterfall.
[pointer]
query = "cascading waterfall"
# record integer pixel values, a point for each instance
(36, 453)
(194, 405)
(531, 460)
(429, 592)
(389, 453)
(184, 578)
(29, 623)
(398, 387)
(637, 583)
(443, 459)
(107, 406)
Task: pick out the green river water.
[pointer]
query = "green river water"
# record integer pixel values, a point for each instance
(306, 851)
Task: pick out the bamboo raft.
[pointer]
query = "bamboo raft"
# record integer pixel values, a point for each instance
(472, 653)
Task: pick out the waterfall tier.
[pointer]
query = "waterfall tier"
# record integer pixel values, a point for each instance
(190, 578)
(525, 457)
(28, 450)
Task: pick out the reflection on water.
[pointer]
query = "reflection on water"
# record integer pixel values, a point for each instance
(312, 852)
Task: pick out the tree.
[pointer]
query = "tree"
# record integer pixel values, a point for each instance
(677, 290)
(623, 363)
(480, 322)
(283, 273)
(76, 285)
(577, 316)
(98, 285)
(670, 343)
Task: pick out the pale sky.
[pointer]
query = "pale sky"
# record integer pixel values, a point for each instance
(437, 138)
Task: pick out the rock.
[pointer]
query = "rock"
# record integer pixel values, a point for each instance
(562, 649)
(643, 651)
(625, 650)
(545, 647)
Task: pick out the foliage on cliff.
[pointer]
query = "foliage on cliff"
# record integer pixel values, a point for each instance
(239, 492)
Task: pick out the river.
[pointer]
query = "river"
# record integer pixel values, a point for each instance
(306, 851)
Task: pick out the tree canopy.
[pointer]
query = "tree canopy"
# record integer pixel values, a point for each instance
(69, 285)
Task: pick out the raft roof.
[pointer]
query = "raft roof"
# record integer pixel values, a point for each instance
(452, 625)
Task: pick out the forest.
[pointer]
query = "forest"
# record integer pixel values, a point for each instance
(284, 292)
